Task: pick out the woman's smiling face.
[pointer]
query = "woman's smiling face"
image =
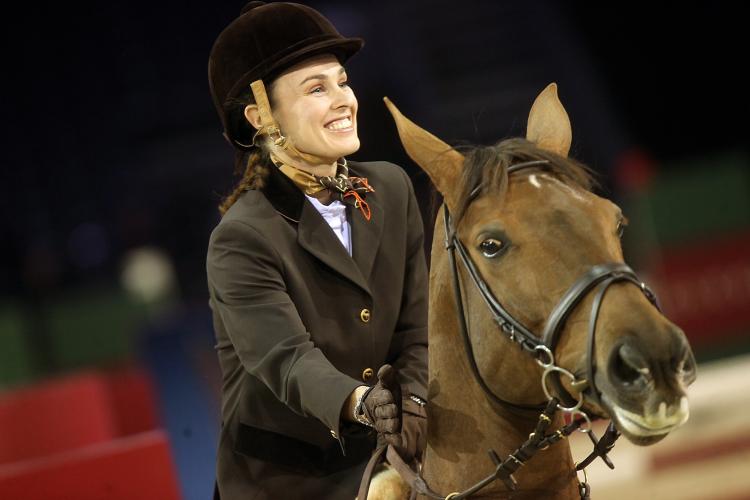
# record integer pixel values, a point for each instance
(314, 106)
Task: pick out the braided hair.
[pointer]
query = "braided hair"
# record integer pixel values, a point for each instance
(252, 165)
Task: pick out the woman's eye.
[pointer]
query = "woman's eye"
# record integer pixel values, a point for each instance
(316, 90)
(343, 84)
(491, 247)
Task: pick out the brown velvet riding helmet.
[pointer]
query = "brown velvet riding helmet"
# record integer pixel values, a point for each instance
(262, 42)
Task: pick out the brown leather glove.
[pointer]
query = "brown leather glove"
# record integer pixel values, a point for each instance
(413, 430)
(382, 406)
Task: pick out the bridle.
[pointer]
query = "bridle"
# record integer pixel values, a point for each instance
(598, 278)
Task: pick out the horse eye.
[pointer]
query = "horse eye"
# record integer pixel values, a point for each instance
(491, 247)
(620, 229)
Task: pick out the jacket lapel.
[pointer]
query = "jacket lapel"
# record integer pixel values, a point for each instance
(315, 235)
(366, 234)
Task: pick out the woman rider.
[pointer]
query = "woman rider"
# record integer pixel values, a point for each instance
(316, 271)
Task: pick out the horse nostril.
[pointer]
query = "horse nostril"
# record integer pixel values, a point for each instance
(686, 369)
(629, 367)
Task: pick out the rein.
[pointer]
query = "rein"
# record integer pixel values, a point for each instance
(541, 348)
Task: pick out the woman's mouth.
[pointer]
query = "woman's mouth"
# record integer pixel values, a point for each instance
(340, 124)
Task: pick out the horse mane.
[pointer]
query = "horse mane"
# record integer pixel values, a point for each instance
(487, 166)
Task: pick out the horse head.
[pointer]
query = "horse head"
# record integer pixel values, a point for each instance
(536, 237)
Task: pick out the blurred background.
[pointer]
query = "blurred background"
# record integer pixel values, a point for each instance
(113, 165)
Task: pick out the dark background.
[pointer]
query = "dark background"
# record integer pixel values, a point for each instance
(111, 140)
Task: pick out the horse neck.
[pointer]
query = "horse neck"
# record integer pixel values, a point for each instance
(464, 424)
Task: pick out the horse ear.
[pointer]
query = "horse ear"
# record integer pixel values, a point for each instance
(441, 162)
(549, 125)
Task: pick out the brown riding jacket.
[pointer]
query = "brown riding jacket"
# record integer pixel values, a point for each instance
(299, 324)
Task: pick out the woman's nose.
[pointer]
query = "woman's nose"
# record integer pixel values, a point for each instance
(343, 96)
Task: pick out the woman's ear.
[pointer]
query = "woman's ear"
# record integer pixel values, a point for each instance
(253, 115)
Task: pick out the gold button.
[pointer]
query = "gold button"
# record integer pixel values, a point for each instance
(364, 315)
(367, 374)
(333, 434)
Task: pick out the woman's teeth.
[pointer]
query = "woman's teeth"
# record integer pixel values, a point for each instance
(340, 124)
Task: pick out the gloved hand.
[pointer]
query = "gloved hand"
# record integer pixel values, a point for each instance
(382, 406)
(413, 430)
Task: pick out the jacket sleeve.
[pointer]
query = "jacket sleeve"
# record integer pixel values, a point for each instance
(245, 275)
(408, 349)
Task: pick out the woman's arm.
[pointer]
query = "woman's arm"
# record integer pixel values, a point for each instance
(249, 294)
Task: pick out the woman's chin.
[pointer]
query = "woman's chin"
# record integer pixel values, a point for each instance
(344, 149)
(332, 149)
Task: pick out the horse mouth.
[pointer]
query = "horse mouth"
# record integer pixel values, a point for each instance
(645, 430)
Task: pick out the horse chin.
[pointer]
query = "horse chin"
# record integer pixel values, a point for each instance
(634, 427)
(646, 439)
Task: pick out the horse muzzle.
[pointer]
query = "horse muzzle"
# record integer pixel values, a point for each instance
(644, 395)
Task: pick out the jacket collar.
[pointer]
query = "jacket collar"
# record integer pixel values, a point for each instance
(316, 236)
(281, 192)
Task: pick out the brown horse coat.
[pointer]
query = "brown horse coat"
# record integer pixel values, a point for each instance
(531, 236)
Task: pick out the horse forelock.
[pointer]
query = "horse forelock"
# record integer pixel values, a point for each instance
(486, 167)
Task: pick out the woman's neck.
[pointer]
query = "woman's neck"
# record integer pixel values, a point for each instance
(323, 170)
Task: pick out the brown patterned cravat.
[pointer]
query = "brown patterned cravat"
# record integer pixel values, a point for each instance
(348, 190)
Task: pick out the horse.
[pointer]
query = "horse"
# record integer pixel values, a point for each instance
(536, 324)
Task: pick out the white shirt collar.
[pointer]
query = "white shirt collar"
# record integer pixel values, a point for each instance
(332, 209)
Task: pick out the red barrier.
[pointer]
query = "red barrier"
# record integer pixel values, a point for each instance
(133, 400)
(55, 416)
(74, 411)
(137, 467)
